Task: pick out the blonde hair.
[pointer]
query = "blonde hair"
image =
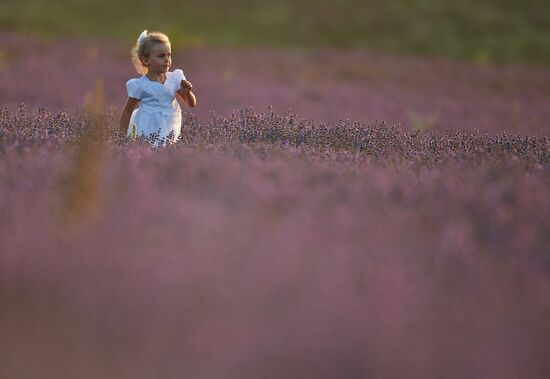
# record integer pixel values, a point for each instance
(143, 47)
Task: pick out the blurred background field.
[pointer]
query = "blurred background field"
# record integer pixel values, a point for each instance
(422, 64)
(486, 31)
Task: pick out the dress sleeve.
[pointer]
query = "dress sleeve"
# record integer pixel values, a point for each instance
(179, 75)
(134, 88)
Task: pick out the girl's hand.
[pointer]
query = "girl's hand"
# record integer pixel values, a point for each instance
(186, 86)
(186, 95)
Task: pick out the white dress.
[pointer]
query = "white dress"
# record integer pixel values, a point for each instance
(158, 111)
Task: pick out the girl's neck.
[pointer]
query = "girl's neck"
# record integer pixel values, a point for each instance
(156, 76)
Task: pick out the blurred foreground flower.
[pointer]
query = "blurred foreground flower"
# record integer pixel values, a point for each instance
(82, 183)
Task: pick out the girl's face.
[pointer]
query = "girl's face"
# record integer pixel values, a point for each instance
(160, 58)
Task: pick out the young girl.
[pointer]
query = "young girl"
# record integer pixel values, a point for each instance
(155, 91)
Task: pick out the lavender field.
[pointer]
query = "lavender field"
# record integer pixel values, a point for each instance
(325, 214)
(323, 84)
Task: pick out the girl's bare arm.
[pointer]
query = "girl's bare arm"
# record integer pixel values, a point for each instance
(186, 94)
(126, 113)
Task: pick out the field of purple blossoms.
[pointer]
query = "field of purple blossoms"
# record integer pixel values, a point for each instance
(322, 84)
(267, 245)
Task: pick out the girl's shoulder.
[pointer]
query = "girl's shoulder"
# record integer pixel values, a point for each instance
(134, 87)
(135, 79)
(178, 74)
(173, 80)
